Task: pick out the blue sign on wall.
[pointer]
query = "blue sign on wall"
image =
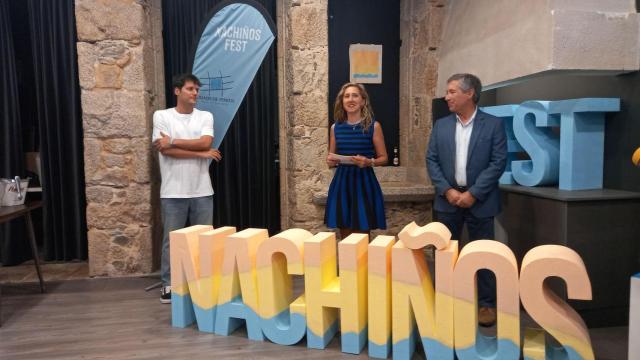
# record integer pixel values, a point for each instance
(229, 53)
(572, 157)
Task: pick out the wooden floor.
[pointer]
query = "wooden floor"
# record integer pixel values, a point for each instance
(51, 271)
(116, 319)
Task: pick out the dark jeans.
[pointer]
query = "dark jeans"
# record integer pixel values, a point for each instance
(479, 229)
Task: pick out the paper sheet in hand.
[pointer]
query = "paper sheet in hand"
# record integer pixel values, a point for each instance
(342, 159)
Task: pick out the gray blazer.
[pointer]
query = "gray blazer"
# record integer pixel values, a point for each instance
(486, 162)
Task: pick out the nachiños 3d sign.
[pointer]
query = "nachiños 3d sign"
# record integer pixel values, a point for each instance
(384, 296)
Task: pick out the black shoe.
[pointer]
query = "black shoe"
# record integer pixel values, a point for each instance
(165, 294)
(486, 316)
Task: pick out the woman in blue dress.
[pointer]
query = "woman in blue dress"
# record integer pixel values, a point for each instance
(354, 201)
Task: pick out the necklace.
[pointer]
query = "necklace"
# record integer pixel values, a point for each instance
(353, 125)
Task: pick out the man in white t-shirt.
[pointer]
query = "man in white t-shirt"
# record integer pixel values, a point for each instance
(183, 136)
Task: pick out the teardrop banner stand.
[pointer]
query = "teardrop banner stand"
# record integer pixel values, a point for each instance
(231, 48)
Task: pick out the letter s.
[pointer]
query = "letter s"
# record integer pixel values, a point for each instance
(542, 145)
(549, 310)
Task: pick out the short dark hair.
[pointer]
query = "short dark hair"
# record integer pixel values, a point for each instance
(468, 82)
(181, 79)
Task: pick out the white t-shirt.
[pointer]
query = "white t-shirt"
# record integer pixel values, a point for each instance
(183, 178)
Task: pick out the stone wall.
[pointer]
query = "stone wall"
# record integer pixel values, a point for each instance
(421, 34)
(121, 79)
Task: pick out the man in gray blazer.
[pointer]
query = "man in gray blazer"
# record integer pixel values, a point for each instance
(467, 154)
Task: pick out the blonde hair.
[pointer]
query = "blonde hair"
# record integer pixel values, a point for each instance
(339, 115)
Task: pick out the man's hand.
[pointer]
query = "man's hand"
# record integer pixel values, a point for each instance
(466, 200)
(212, 154)
(162, 143)
(453, 196)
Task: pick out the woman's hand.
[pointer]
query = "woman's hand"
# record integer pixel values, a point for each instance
(361, 161)
(331, 161)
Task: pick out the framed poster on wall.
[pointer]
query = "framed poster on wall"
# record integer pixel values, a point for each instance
(365, 63)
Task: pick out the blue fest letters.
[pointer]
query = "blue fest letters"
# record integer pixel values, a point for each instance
(564, 140)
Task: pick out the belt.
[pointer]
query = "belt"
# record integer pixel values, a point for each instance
(462, 188)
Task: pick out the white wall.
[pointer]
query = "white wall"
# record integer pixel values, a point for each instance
(505, 40)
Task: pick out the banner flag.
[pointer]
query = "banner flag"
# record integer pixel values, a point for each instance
(229, 53)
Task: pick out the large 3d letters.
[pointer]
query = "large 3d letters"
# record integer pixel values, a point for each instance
(574, 159)
(413, 291)
(634, 317)
(470, 344)
(531, 126)
(582, 141)
(330, 298)
(238, 297)
(283, 319)
(222, 279)
(379, 288)
(505, 112)
(196, 259)
(547, 309)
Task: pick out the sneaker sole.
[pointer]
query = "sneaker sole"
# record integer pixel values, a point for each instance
(167, 301)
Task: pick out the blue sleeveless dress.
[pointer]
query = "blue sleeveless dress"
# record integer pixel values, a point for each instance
(355, 199)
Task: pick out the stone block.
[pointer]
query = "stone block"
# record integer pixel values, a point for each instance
(118, 19)
(130, 113)
(109, 177)
(98, 242)
(99, 194)
(437, 16)
(112, 217)
(92, 153)
(113, 52)
(134, 77)
(311, 109)
(132, 195)
(109, 114)
(117, 146)
(113, 160)
(87, 58)
(431, 70)
(108, 76)
(141, 160)
(310, 152)
(309, 27)
(96, 102)
(310, 70)
(144, 240)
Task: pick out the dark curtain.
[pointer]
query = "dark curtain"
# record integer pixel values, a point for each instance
(13, 245)
(56, 91)
(246, 182)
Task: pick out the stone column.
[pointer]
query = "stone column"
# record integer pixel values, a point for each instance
(305, 88)
(421, 33)
(121, 79)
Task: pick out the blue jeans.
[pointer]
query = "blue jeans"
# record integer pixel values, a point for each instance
(175, 213)
(479, 228)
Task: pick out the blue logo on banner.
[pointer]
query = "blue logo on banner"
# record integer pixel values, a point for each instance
(229, 53)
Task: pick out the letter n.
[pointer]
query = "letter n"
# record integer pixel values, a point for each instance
(196, 254)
